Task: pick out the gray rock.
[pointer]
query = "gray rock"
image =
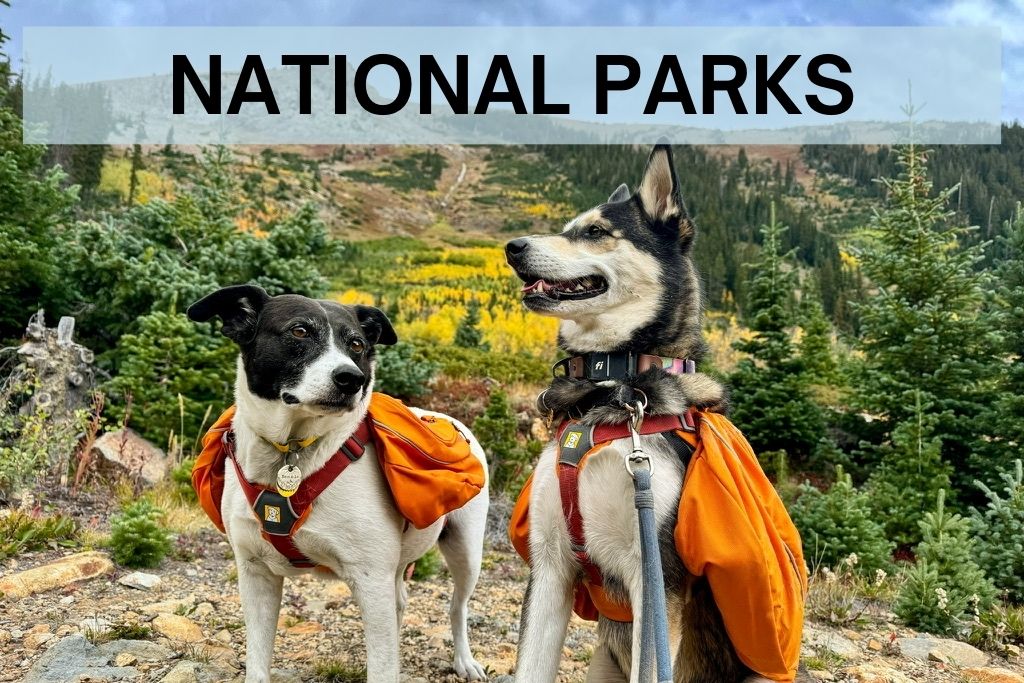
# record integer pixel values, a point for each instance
(197, 672)
(925, 648)
(822, 639)
(144, 650)
(74, 657)
(125, 453)
(140, 580)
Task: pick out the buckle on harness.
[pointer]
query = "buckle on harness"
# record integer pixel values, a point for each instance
(637, 456)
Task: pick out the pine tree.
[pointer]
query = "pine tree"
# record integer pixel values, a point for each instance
(770, 390)
(909, 478)
(1007, 414)
(947, 584)
(468, 334)
(816, 342)
(34, 205)
(923, 330)
(1000, 533)
(838, 523)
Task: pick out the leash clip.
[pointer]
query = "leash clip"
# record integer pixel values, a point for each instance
(636, 420)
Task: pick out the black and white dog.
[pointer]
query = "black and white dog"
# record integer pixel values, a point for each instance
(620, 278)
(306, 368)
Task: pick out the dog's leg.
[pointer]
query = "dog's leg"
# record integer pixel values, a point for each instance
(260, 593)
(375, 595)
(401, 598)
(602, 668)
(545, 617)
(462, 544)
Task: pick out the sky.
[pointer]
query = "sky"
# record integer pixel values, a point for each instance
(1007, 14)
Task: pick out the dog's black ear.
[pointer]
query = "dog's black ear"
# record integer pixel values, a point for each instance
(660, 197)
(376, 325)
(621, 194)
(238, 306)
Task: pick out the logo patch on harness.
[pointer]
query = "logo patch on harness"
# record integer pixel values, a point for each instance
(271, 513)
(572, 439)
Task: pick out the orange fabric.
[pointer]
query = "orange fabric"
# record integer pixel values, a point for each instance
(427, 461)
(733, 528)
(208, 471)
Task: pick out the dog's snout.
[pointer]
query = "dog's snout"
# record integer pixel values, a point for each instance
(348, 380)
(516, 246)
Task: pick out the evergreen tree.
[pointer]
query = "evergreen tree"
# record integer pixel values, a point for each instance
(838, 523)
(1006, 417)
(468, 334)
(816, 342)
(496, 429)
(909, 478)
(946, 584)
(923, 330)
(770, 389)
(34, 204)
(1000, 533)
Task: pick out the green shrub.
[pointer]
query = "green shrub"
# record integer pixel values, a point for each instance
(137, 539)
(173, 369)
(181, 475)
(839, 523)
(402, 371)
(908, 479)
(506, 368)
(427, 566)
(21, 532)
(946, 586)
(496, 429)
(1000, 534)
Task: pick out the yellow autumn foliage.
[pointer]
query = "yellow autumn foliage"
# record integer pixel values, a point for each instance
(116, 178)
(354, 296)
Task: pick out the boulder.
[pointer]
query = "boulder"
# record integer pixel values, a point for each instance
(140, 580)
(820, 640)
(945, 650)
(75, 658)
(67, 570)
(125, 453)
(985, 674)
(179, 628)
(876, 673)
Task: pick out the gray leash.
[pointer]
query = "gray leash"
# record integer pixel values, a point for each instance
(654, 619)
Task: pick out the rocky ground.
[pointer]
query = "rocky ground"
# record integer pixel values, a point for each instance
(183, 623)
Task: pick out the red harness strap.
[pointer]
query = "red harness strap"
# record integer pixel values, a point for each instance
(279, 517)
(579, 442)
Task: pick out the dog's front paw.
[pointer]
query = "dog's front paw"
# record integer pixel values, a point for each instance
(469, 668)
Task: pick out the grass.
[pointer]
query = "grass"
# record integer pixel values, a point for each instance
(843, 597)
(181, 513)
(121, 632)
(826, 660)
(22, 532)
(334, 671)
(427, 566)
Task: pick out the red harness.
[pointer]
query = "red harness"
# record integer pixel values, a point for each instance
(280, 518)
(579, 442)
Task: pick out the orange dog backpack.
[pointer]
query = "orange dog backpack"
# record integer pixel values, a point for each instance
(427, 462)
(731, 528)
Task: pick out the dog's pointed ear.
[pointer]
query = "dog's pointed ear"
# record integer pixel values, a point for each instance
(621, 194)
(376, 325)
(660, 196)
(237, 306)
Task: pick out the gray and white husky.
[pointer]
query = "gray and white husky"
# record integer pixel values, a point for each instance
(621, 279)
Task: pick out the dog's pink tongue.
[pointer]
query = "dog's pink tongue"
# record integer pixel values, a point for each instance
(539, 284)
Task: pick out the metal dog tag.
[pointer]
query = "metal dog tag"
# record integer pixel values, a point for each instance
(288, 479)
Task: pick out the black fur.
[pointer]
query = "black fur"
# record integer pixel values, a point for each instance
(273, 357)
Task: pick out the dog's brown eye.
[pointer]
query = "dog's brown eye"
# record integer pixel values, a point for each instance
(594, 231)
(357, 345)
(300, 332)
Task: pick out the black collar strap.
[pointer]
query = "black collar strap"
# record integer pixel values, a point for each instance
(618, 365)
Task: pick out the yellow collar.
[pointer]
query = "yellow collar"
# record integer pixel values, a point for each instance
(292, 445)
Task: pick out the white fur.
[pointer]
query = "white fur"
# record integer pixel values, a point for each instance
(610, 319)
(354, 530)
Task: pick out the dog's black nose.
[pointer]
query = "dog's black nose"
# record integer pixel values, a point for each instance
(516, 246)
(348, 380)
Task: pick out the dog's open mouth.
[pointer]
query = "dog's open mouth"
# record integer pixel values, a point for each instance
(564, 290)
